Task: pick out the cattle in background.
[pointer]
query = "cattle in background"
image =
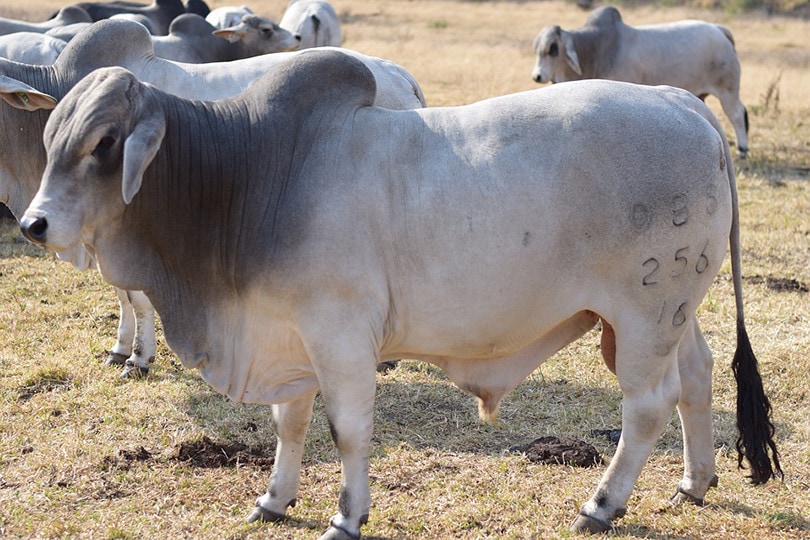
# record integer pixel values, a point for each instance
(693, 55)
(144, 20)
(258, 35)
(225, 17)
(192, 39)
(481, 238)
(22, 158)
(160, 12)
(63, 17)
(68, 32)
(31, 48)
(315, 21)
(197, 7)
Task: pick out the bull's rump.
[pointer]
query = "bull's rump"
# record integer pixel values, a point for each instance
(506, 217)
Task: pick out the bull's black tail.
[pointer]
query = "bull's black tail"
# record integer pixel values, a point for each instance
(756, 432)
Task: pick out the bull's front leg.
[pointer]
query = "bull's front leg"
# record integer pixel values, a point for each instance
(349, 401)
(291, 422)
(144, 344)
(122, 349)
(650, 384)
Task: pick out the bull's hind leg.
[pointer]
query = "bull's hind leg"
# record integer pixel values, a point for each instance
(735, 110)
(648, 376)
(291, 423)
(695, 409)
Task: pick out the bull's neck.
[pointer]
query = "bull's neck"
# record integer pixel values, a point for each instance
(199, 200)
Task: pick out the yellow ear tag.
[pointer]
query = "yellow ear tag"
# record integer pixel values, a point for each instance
(23, 96)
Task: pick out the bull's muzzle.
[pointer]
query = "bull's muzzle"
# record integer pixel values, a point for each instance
(34, 229)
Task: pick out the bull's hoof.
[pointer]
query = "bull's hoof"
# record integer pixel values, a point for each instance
(681, 497)
(116, 359)
(338, 533)
(385, 367)
(589, 524)
(131, 371)
(263, 515)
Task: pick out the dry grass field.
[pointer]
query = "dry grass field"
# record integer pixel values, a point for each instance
(84, 454)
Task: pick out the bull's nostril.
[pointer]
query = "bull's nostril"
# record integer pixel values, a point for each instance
(34, 229)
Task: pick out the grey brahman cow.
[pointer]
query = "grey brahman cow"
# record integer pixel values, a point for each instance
(64, 17)
(161, 13)
(192, 39)
(694, 55)
(255, 34)
(128, 44)
(327, 235)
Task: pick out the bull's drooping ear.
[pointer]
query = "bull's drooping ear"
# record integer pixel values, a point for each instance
(139, 151)
(20, 95)
(231, 34)
(571, 57)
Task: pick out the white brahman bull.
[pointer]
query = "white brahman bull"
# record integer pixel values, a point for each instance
(128, 44)
(316, 21)
(693, 55)
(31, 48)
(227, 16)
(327, 235)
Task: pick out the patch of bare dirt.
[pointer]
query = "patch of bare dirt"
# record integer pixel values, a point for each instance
(556, 451)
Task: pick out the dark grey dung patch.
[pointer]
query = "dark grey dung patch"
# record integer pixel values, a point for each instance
(209, 454)
(555, 451)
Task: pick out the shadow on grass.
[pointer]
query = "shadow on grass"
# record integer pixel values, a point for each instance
(433, 414)
(776, 169)
(436, 415)
(781, 520)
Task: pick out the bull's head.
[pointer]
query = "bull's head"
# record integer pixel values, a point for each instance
(99, 140)
(557, 59)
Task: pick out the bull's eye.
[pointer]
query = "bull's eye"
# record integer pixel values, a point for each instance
(103, 147)
(267, 32)
(553, 50)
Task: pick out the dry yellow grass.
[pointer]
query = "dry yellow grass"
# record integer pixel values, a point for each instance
(85, 455)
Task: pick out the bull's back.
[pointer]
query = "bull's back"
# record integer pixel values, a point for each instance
(693, 55)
